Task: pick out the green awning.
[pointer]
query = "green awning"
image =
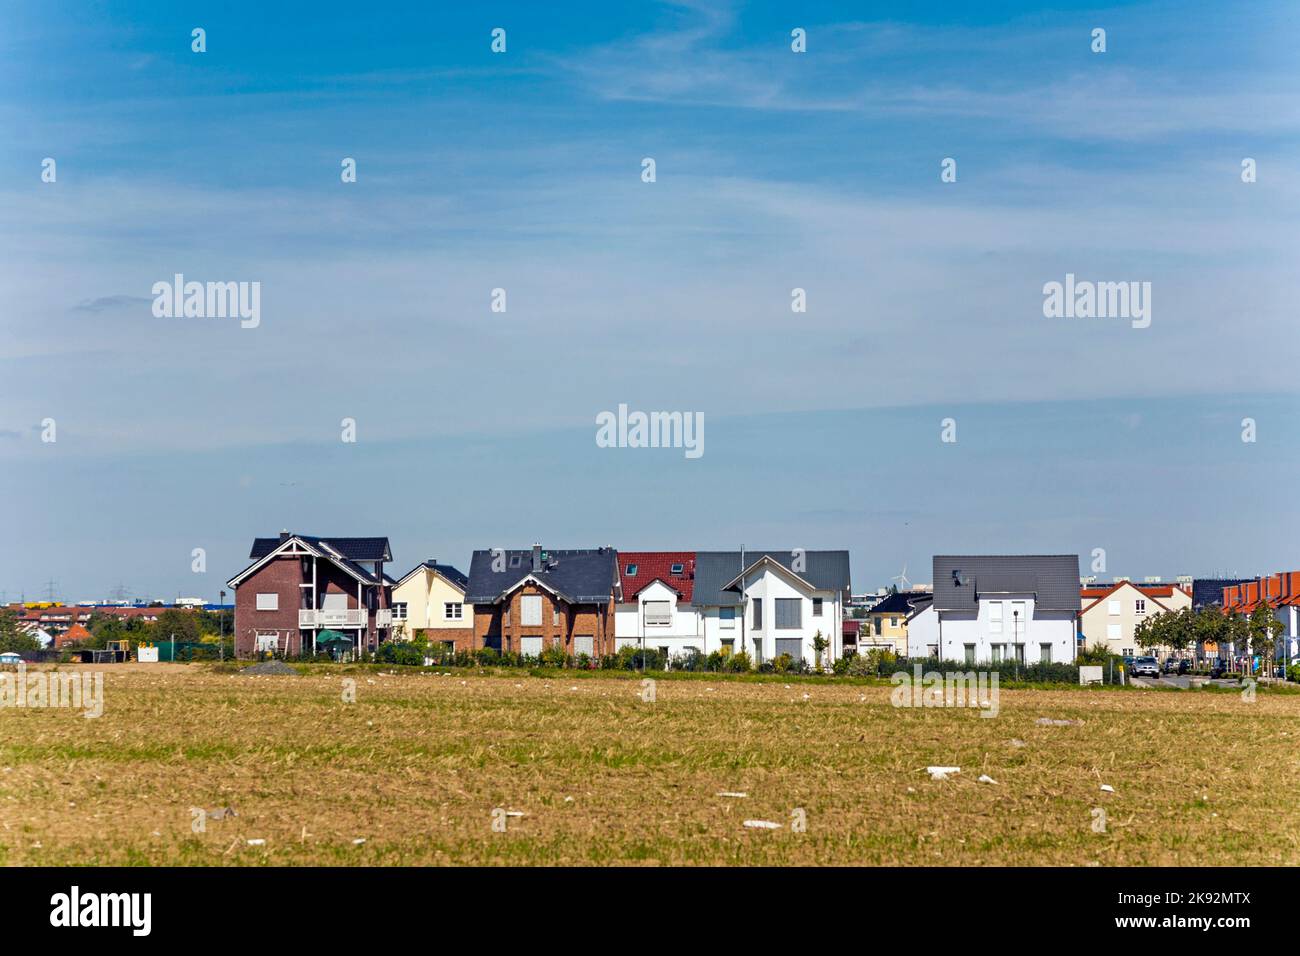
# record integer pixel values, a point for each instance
(333, 637)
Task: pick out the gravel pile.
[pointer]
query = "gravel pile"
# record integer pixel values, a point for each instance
(269, 667)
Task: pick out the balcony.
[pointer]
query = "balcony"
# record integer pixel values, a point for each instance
(351, 617)
(384, 617)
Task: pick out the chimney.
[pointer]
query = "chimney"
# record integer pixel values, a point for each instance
(284, 535)
(432, 562)
(537, 557)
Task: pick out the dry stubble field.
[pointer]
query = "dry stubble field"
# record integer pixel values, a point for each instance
(416, 766)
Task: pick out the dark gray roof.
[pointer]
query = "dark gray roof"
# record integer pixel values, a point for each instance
(901, 602)
(1053, 579)
(579, 576)
(1208, 592)
(354, 549)
(824, 570)
(453, 575)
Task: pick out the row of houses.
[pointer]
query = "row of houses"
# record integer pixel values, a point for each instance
(303, 592)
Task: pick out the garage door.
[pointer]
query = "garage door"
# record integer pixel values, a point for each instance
(530, 646)
(584, 644)
(789, 645)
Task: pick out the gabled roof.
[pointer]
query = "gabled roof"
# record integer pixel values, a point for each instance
(452, 575)
(340, 551)
(714, 570)
(1053, 579)
(1091, 597)
(354, 549)
(579, 576)
(654, 566)
(901, 602)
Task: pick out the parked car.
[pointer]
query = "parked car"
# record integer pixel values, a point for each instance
(1177, 665)
(1146, 667)
(9, 657)
(1218, 669)
(1128, 663)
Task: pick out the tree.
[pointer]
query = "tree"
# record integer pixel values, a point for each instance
(11, 638)
(175, 624)
(1263, 629)
(1211, 627)
(1151, 633)
(820, 644)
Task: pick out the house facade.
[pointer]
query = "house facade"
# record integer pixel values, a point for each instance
(769, 603)
(1109, 615)
(885, 626)
(300, 586)
(528, 601)
(991, 608)
(656, 608)
(1282, 593)
(429, 601)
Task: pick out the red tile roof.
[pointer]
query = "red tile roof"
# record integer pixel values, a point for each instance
(1279, 590)
(71, 635)
(1090, 596)
(652, 565)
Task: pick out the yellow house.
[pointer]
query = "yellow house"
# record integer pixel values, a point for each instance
(430, 600)
(885, 626)
(1111, 614)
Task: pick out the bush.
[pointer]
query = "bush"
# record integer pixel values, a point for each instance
(555, 656)
(632, 658)
(739, 663)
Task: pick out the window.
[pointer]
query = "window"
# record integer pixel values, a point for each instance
(555, 617)
(268, 602)
(893, 622)
(1113, 632)
(530, 610)
(658, 612)
(630, 570)
(880, 623)
(452, 611)
(758, 614)
(789, 612)
(1126, 652)
(676, 569)
(728, 644)
(515, 559)
(1112, 608)
(817, 607)
(726, 617)
(1140, 606)
(399, 610)
(268, 642)
(995, 617)
(997, 653)
(1045, 653)
(970, 653)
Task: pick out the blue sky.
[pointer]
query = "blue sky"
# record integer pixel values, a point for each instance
(522, 171)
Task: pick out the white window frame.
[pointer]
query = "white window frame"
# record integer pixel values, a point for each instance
(399, 610)
(657, 617)
(453, 611)
(995, 617)
(1113, 607)
(263, 604)
(530, 610)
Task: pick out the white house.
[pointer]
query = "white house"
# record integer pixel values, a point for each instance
(990, 608)
(770, 603)
(656, 610)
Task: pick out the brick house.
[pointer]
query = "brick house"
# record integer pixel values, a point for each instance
(528, 601)
(299, 586)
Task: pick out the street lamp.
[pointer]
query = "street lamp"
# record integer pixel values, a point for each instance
(221, 626)
(1015, 639)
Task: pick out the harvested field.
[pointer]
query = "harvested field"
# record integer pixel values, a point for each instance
(592, 774)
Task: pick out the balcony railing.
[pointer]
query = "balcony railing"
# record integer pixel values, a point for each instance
(384, 617)
(351, 617)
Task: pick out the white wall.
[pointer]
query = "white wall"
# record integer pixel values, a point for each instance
(769, 584)
(956, 629)
(922, 631)
(686, 629)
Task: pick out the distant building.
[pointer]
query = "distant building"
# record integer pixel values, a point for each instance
(1109, 615)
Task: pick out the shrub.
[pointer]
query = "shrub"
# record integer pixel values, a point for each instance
(555, 656)
(739, 663)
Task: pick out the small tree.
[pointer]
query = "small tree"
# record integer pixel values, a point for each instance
(11, 638)
(1263, 629)
(1152, 633)
(820, 644)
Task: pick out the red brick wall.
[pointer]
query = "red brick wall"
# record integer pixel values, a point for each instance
(282, 576)
(593, 619)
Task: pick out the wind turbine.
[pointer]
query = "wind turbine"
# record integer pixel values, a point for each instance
(903, 583)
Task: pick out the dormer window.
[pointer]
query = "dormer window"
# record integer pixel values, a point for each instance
(630, 570)
(514, 560)
(677, 569)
